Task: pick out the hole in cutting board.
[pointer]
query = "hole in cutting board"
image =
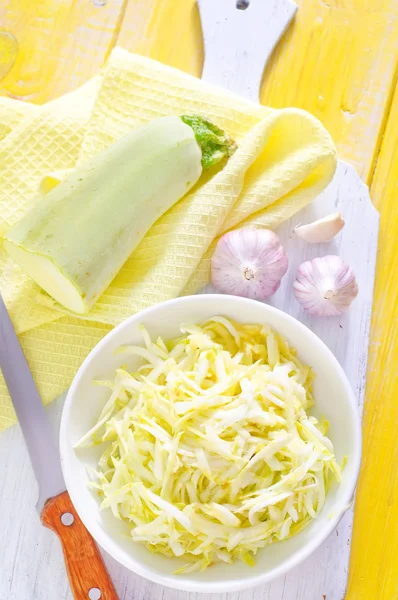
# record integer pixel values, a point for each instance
(242, 4)
(94, 594)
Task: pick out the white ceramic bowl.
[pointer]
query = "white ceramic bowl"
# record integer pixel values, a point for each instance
(334, 399)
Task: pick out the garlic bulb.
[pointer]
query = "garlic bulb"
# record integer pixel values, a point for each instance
(322, 230)
(248, 262)
(325, 286)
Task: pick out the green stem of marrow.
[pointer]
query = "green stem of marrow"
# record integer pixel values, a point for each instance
(213, 141)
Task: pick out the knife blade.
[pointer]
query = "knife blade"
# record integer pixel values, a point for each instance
(86, 570)
(32, 417)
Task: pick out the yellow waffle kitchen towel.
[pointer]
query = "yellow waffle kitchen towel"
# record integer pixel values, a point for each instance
(284, 159)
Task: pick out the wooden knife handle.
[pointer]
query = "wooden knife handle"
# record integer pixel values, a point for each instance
(88, 576)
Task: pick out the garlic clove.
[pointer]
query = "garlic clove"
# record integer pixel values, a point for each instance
(248, 262)
(325, 286)
(322, 230)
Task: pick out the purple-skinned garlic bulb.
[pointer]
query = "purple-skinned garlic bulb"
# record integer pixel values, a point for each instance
(325, 286)
(248, 262)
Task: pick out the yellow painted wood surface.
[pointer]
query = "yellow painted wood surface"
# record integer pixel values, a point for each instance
(339, 61)
(374, 560)
(61, 43)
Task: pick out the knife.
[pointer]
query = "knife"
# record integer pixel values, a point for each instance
(88, 577)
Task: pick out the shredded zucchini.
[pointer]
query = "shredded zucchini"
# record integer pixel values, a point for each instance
(211, 454)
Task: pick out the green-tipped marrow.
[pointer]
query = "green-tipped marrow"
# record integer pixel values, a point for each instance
(77, 238)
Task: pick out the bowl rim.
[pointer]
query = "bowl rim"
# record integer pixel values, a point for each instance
(111, 546)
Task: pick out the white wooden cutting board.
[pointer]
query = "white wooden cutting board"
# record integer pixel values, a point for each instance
(238, 44)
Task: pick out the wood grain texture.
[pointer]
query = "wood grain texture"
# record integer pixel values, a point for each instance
(165, 30)
(338, 61)
(61, 43)
(374, 562)
(84, 565)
